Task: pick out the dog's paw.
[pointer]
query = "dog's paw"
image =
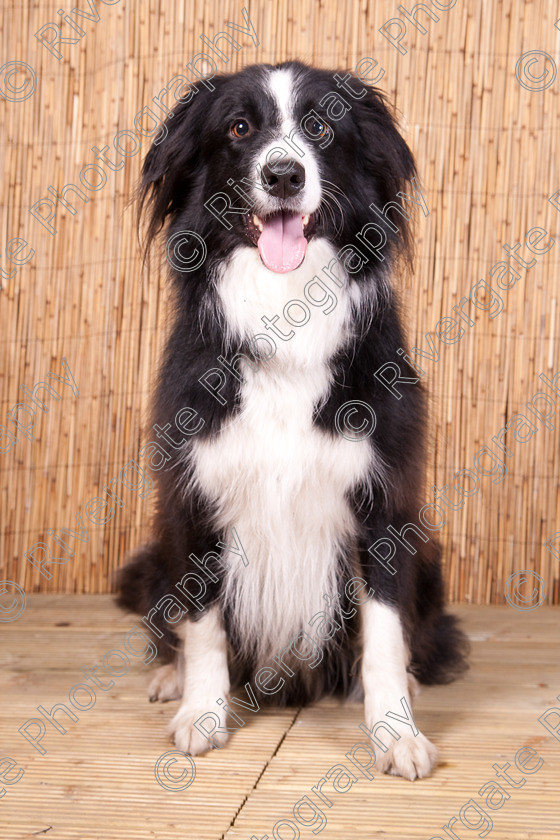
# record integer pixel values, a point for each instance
(189, 739)
(411, 757)
(166, 684)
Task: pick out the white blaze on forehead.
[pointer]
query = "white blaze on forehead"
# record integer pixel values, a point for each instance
(281, 84)
(282, 88)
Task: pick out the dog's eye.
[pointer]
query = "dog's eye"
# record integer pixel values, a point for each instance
(317, 128)
(241, 128)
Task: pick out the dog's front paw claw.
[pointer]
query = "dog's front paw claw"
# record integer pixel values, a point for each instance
(187, 738)
(411, 757)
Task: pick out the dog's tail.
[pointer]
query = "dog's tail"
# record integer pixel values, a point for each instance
(439, 648)
(444, 655)
(141, 583)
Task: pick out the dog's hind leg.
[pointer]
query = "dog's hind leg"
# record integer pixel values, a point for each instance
(167, 682)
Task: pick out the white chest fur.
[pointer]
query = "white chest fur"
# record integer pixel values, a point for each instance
(270, 473)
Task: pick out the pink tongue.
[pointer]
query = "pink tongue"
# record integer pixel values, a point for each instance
(282, 243)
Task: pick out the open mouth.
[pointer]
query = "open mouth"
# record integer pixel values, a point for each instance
(281, 238)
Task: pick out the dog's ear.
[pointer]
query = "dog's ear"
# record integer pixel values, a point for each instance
(172, 164)
(385, 156)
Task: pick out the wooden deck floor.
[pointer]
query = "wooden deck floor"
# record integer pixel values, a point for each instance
(98, 779)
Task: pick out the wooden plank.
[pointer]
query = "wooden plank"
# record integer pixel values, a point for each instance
(97, 781)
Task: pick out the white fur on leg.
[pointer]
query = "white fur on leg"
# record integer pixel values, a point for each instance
(206, 679)
(385, 681)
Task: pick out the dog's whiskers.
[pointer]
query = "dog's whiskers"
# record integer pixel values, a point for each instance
(330, 196)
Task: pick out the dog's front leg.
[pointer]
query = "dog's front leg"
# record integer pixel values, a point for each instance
(206, 680)
(386, 682)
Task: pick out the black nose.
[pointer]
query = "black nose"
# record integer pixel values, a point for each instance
(284, 180)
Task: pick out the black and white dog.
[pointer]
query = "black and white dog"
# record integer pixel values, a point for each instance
(283, 310)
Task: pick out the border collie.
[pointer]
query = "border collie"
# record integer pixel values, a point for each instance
(281, 193)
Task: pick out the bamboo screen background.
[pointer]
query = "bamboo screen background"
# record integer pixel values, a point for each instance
(487, 149)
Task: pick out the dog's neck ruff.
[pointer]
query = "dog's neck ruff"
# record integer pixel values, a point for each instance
(270, 472)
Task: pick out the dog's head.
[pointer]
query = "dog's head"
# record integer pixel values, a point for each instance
(270, 157)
